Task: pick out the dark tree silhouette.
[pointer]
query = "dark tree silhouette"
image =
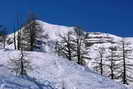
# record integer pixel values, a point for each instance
(3, 35)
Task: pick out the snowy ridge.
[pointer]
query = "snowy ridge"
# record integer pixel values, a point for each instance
(51, 33)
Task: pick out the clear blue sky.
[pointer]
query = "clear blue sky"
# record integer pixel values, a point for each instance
(112, 16)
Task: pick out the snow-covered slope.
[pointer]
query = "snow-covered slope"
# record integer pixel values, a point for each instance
(64, 72)
(10, 81)
(96, 39)
(53, 31)
(51, 71)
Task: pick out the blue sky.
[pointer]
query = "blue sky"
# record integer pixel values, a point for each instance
(112, 16)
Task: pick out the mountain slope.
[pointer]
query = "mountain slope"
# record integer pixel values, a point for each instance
(54, 71)
(53, 31)
(50, 34)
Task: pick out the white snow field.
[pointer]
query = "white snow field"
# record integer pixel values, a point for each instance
(51, 72)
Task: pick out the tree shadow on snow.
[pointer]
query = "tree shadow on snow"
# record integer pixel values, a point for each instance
(46, 84)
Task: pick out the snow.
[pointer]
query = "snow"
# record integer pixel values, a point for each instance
(54, 31)
(50, 70)
(54, 70)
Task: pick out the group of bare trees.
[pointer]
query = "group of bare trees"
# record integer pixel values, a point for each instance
(66, 46)
(28, 35)
(114, 62)
(126, 64)
(3, 35)
(25, 39)
(71, 45)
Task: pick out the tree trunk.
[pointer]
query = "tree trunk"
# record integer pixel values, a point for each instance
(101, 64)
(124, 65)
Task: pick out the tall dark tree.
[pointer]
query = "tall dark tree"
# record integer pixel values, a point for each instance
(114, 59)
(125, 64)
(3, 35)
(14, 38)
(124, 75)
(18, 40)
(31, 33)
(101, 52)
(99, 63)
(80, 48)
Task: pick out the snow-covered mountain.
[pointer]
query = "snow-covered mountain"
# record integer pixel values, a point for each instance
(51, 33)
(94, 40)
(50, 71)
